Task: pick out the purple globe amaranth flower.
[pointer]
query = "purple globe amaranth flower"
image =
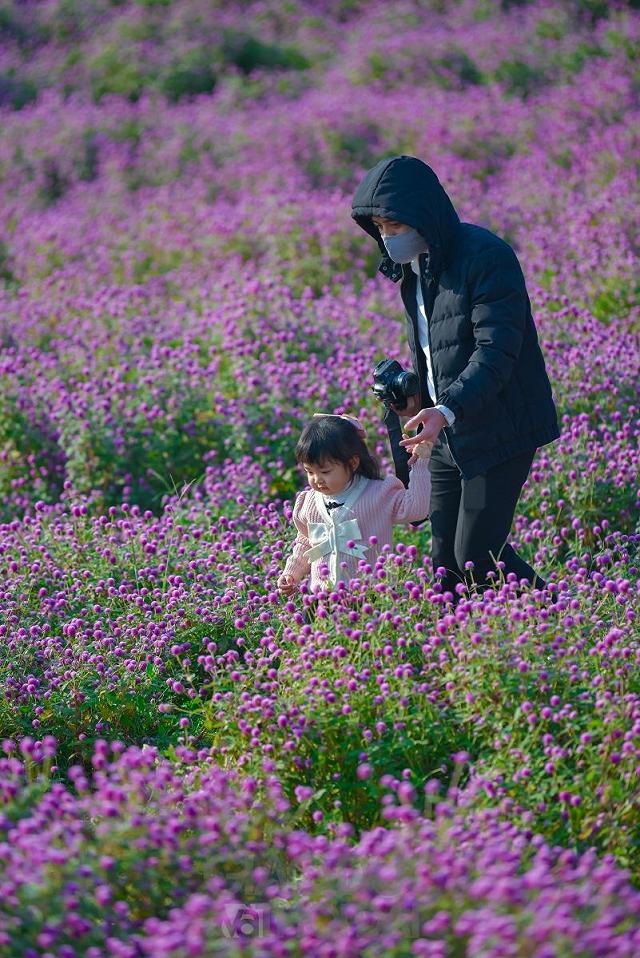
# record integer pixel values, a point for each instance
(161, 346)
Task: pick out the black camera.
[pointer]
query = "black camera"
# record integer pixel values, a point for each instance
(393, 385)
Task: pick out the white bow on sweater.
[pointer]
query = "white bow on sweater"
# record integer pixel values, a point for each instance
(330, 538)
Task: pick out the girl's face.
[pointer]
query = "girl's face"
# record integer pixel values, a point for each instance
(330, 477)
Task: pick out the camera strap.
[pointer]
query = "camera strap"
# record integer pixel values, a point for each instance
(398, 452)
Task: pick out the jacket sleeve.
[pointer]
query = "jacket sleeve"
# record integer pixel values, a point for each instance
(411, 504)
(498, 314)
(296, 565)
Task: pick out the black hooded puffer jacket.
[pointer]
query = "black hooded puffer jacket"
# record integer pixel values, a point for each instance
(487, 364)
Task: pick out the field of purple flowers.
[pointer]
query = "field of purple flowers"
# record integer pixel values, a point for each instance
(189, 767)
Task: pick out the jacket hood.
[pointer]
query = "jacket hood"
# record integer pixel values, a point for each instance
(405, 189)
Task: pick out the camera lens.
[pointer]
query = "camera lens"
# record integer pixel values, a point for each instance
(407, 383)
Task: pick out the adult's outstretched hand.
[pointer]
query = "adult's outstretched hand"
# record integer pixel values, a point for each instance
(432, 422)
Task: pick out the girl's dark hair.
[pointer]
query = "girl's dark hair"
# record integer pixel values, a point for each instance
(332, 438)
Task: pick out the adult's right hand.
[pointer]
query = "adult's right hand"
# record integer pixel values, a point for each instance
(432, 422)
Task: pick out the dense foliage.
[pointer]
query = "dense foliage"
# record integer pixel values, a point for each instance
(193, 766)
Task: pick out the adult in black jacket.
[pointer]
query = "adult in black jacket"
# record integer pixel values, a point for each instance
(485, 398)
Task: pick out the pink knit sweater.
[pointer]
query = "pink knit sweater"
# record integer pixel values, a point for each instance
(325, 540)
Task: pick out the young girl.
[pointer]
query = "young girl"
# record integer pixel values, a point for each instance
(348, 512)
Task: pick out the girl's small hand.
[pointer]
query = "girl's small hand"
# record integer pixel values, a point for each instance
(423, 450)
(287, 584)
(420, 451)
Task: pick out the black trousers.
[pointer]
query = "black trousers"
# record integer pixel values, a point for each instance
(471, 519)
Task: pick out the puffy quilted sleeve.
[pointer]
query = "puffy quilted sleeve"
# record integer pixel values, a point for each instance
(498, 315)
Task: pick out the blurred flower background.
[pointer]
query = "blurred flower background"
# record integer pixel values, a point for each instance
(190, 767)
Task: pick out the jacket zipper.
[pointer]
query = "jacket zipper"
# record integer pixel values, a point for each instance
(433, 369)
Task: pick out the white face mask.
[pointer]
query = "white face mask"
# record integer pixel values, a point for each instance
(405, 246)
